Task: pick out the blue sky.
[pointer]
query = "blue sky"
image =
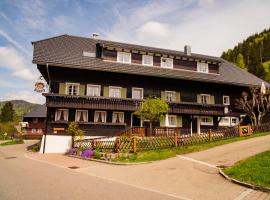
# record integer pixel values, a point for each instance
(209, 26)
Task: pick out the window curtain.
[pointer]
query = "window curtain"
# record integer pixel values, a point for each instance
(102, 117)
(78, 115)
(96, 116)
(114, 117)
(65, 115)
(84, 116)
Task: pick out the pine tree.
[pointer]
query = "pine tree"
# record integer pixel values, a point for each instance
(240, 61)
(7, 113)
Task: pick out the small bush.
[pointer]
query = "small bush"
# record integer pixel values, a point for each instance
(97, 154)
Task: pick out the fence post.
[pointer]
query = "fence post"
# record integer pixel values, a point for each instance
(134, 145)
(175, 139)
(210, 135)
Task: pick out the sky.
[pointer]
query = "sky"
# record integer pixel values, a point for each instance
(209, 26)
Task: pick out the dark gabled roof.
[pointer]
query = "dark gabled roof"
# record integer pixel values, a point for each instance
(38, 112)
(67, 51)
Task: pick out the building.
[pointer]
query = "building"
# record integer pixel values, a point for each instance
(99, 84)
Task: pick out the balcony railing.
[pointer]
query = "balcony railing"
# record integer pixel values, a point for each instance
(126, 104)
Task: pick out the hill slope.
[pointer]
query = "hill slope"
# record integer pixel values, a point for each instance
(252, 54)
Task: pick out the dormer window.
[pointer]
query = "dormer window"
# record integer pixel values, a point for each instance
(167, 63)
(202, 67)
(147, 60)
(123, 57)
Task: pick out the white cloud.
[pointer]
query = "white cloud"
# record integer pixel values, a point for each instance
(12, 60)
(24, 95)
(209, 26)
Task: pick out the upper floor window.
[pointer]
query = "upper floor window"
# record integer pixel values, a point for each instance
(72, 88)
(61, 115)
(123, 57)
(205, 99)
(202, 67)
(226, 100)
(93, 90)
(81, 116)
(170, 95)
(147, 60)
(35, 120)
(137, 93)
(100, 116)
(118, 117)
(207, 121)
(115, 92)
(167, 62)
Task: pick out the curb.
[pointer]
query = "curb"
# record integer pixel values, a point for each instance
(254, 187)
(109, 162)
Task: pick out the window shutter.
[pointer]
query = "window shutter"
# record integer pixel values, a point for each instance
(179, 121)
(106, 91)
(163, 95)
(178, 97)
(82, 90)
(212, 99)
(124, 92)
(162, 122)
(62, 88)
(199, 98)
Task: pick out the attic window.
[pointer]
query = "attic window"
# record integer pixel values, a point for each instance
(89, 54)
(202, 67)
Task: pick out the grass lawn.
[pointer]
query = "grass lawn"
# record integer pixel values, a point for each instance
(161, 154)
(11, 142)
(254, 170)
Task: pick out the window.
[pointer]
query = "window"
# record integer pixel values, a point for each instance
(172, 120)
(205, 99)
(93, 90)
(61, 115)
(167, 62)
(72, 88)
(34, 130)
(100, 117)
(137, 93)
(118, 117)
(81, 116)
(225, 121)
(234, 121)
(202, 67)
(208, 121)
(170, 96)
(123, 57)
(226, 100)
(147, 60)
(35, 120)
(39, 130)
(115, 92)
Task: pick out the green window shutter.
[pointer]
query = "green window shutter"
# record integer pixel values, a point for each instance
(82, 90)
(199, 98)
(163, 95)
(178, 97)
(212, 99)
(162, 122)
(124, 92)
(62, 88)
(179, 121)
(106, 91)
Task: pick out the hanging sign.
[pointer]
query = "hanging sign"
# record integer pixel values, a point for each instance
(40, 85)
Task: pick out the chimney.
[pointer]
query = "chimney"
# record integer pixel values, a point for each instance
(95, 35)
(187, 50)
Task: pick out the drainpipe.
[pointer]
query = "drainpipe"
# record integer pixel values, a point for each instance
(46, 120)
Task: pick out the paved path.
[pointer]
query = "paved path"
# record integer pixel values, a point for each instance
(191, 176)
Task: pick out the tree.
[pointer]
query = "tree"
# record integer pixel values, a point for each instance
(74, 130)
(255, 103)
(152, 109)
(7, 112)
(240, 61)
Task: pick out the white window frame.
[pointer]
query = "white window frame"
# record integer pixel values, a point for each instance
(73, 84)
(123, 117)
(77, 114)
(144, 57)
(167, 91)
(173, 116)
(61, 109)
(165, 66)
(97, 111)
(91, 85)
(121, 53)
(205, 95)
(115, 87)
(224, 97)
(135, 88)
(210, 123)
(237, 121)
(200, 67)
(225, 124)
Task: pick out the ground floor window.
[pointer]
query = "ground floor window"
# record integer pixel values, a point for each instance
(172, 120)
(61, 115)
(207, 121)
(234, 121)
(34, 130)
(100, 116)
(81, 116)
(118, 117)
(225, 121)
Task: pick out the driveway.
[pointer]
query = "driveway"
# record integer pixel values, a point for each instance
(192, 176)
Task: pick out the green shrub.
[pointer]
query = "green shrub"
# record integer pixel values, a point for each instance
(97, 154)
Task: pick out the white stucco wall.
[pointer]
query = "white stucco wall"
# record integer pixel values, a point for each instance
(56, 144)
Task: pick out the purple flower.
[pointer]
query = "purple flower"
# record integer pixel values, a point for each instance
(72, 151)
(87, 153)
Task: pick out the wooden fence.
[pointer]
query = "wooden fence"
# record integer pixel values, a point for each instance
(135, 140)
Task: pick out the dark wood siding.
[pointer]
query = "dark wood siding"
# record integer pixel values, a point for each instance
(109, 55)
(136, 58)
(184, 64)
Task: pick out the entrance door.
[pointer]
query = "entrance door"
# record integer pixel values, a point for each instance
(136, 121)
(194, 124)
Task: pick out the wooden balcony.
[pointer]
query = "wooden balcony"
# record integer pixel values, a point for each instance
(126, 104)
